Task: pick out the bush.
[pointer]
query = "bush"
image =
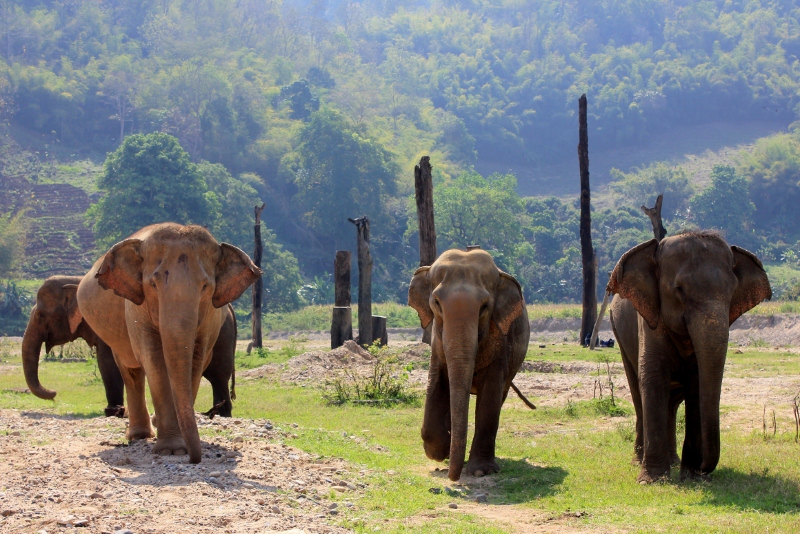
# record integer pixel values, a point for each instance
(387, 385)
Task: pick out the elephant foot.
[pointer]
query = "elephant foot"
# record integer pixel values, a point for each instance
(649, 476)
(694, 474)
(479, 468)
(171, 446)
(437, 452)
(115, 411)
(136, 433)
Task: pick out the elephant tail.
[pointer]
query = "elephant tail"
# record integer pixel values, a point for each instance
(528, 403)
(233, 383)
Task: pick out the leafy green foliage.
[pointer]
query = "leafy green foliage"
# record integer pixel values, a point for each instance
(642, 186)
(12, 244)
(725, 205)
(149, 179)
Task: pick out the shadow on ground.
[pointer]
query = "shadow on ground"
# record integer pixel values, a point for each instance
(760, 491)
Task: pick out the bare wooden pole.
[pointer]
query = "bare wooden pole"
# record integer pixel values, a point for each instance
(342, 320)
(423, 189)
(379, 332)
(258, 287)
(364, 281)
(654, 213)
(588, 258)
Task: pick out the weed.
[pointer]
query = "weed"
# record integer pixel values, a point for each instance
(571, 409)
(387, 384)
(607, 406)
(627, 430)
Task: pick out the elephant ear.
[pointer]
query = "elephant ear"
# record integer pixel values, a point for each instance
(636, 278)
(508, 302)
(121, 270)
(235, 273)
(753, 282)
(71, 305)
(419, 296)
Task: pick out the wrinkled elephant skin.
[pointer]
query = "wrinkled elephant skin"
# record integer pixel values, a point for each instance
(478, 342)
(676, 300)
(159, 300)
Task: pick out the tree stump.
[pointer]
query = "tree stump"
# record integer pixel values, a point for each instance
(588, 258)
(654, 213)
(364, 281)
(423, 189)
(379, 332)
(258, 287)
(342, 319)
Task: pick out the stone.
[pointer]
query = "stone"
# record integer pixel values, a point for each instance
(123, 531)
(260, 501)
(340, 489)
(481, 497)
(97, 495)
(6, 513)
(65, 521)
(215, 474)
(15, 433)
(452, 505)
(230, 454)
(274, 509)
(80, 522)
(238, 439)
(247, 485)
(268, 426)
(435, 491)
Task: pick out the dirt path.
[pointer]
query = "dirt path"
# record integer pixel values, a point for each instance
(58, 472)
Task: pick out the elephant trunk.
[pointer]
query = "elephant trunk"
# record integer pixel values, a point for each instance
(31, 348)
(178, 336)
(460, 354)
(710, 339)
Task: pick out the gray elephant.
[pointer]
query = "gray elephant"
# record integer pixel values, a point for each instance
(479, 340)
(676, 302)
(55, 320)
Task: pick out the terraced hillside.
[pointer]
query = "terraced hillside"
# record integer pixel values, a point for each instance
(54, 197)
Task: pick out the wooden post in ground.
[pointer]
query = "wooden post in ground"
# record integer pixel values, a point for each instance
(654, 213)
(258, 287)
(342, 321)
(588, 258)
(364, 281)
(423, 189)
(379, 332)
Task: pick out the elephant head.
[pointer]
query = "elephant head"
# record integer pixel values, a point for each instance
(176, 278)
(692, 287)
(54, 320)
(472, 305)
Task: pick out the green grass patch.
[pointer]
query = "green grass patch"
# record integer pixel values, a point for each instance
(556, 460)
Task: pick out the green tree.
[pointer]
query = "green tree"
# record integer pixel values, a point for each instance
(343, 173)
(642, 186)
(12, 244)
(149, 179)
(773, 169)
(725, 205)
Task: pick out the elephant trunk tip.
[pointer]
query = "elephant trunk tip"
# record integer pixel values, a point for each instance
(194, 456)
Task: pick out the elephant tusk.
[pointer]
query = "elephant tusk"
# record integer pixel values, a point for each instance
(528, 403)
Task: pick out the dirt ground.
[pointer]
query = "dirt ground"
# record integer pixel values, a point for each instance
(249, 482)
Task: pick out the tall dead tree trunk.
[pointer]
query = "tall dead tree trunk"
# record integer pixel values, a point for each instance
(364, 281)
(588, 258)
(654, 213)
(342, 320)
(423, 189)
(258, 287)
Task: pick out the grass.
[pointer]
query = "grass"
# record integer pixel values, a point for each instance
(555, 460)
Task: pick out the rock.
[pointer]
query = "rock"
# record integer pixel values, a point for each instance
(215, 474)
(333, 506)
(80, 522)
(294, 425)
(43, 531)
(97, 495)
(478, 473)
(481, 497)
(340, 489)
(452, 505)
(6, 513)
(123, 531)
(260, 501)
(238, 439)
(230, 454)
(435, 491)
(14, 433)
(268, 426)
(274, 509)
(65, 521)
(247, 485)
(292, 531)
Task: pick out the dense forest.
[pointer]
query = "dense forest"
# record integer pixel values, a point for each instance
(321, 108)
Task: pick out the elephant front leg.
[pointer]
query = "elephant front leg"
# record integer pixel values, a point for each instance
(693, 442)
(168, 434)
(655, 390)
(436, 421)
(491, 394)
(139, 426)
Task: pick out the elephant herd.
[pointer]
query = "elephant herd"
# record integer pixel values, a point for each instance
(156, 305)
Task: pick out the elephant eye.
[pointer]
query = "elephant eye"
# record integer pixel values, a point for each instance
(680, 293)
(484, 308)
(205, 286)
(437, 305)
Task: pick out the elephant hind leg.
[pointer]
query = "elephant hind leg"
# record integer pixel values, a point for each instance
(492, 391)
(112, 381)
(636, 397)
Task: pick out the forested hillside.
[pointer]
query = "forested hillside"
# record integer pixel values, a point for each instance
(321, 108)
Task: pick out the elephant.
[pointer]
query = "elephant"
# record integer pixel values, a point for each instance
(54, 321)
(158, 299)
(50, 324)
(677, 300)
(479, 340)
